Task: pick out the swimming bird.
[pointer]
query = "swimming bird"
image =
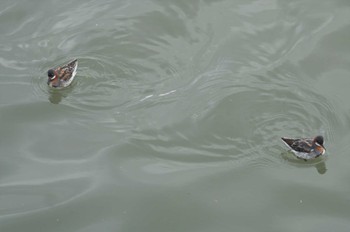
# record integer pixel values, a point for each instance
(62, 76)
(306, 148)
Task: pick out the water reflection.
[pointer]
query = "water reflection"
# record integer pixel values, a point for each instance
(321, 167)
(318, 163)
(56, 95)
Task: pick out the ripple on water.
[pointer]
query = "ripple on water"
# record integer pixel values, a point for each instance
(33, 196)
(222, 112)
(243, 124)
(283, 111)
(93, 88)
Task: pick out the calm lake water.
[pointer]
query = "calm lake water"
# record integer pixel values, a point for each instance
(174, 119)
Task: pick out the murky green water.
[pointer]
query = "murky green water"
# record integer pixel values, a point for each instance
(174, 120)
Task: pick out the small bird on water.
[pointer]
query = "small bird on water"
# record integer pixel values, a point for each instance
(62, 76)
(306, 148)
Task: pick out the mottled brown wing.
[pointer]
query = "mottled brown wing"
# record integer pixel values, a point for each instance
(300, 145)
(303, 145)
(65, 72)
